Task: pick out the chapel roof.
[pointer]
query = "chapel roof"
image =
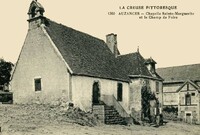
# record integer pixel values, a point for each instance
(85, 54)
(134, 65)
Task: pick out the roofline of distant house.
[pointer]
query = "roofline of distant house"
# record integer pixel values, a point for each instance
(143, 76)
(109, 78)
(179, 81)
(173, 82)
(179, 66)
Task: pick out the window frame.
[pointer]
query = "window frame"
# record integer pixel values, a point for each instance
(157, 87)
(119, 92)
(188, 98)
(40, 84)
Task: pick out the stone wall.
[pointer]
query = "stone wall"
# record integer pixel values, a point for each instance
(99, 110)
(135, 98)
(135, 94)
(193, 109)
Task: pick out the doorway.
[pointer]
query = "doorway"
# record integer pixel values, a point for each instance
(95, 93)
(188, 118)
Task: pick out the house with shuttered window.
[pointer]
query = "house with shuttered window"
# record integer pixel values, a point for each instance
(181, 89)
(189, 102)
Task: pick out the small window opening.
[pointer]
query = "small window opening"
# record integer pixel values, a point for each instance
(188, 114)
(157, 87)
(33, 13)
(38, 84)
(119, 92)
(188, 99)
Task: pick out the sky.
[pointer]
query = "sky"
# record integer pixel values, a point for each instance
(170, 42)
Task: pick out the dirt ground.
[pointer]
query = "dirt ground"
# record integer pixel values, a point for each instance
(39, 120)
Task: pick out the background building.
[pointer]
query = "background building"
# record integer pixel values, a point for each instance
(181, 90)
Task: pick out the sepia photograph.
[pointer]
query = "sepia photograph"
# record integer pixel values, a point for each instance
(100, 67)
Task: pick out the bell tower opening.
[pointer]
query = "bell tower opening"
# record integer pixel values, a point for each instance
(35, 9)
(35, 13)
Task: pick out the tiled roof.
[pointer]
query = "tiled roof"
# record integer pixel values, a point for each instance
(85, 54)
(180, 73)
(134, 65)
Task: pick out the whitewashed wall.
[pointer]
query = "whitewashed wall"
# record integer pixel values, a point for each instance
(38, 59)
(82, 88)
(170, 99)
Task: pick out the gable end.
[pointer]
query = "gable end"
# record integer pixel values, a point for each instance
(186, 84)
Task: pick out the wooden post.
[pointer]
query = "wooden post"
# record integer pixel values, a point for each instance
(160, 110)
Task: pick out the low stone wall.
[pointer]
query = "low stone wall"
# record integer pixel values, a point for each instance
(136, 114)
(99, 110)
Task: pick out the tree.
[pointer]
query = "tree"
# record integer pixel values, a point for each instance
(5, 71)
(147, 95)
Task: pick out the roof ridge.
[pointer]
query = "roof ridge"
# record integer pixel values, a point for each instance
(127, 54)
(75, 29)
(179, 66)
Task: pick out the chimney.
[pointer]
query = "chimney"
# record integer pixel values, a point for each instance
(111, 41)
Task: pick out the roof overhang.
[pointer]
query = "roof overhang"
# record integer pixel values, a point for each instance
(143, 76)
(115, 79)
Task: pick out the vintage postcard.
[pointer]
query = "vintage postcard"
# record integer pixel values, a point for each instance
(100, 67)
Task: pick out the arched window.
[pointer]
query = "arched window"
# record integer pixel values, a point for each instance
(96, 93)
